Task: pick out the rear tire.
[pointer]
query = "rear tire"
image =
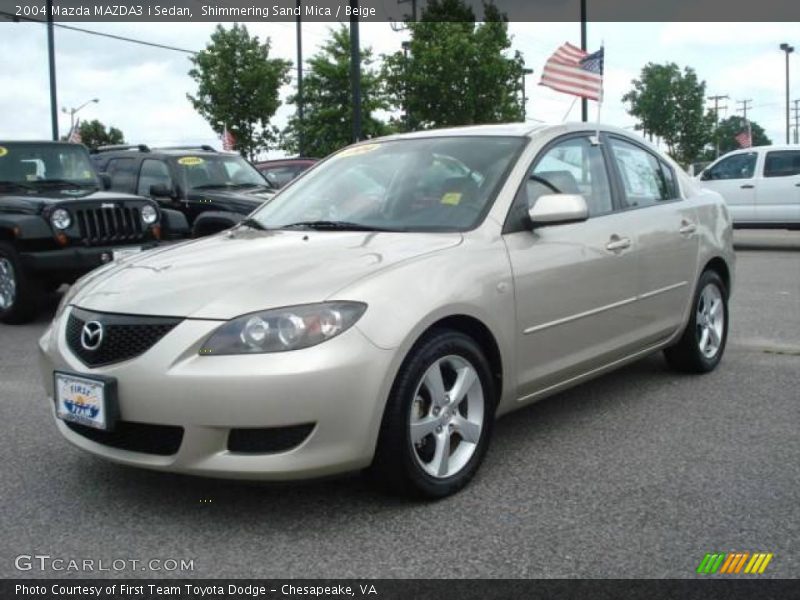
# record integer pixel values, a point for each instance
(20, 295)
(703, 341)
(438, 419)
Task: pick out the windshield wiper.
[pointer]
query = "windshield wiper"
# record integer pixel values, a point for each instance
(62, 183)
(342, 225)
(16, 184)
(252, 224)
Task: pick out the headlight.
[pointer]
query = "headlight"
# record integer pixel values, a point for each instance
(282, 329)
(60, 219)
(149, 215)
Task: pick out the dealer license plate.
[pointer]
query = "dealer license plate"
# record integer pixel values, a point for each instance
(85, 400)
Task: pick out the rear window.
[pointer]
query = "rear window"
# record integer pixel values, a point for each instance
(782, 163)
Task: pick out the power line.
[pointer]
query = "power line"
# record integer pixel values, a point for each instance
(120, 38)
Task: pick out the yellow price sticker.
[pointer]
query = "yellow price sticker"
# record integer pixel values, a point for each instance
(189, 161)
(451, 198)
(3, 151)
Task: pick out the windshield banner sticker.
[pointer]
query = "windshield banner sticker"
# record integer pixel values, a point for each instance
(3, 151)
(189, 161)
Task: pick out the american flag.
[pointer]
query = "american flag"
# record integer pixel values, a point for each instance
(228, 141)
(573, 71)
(745, 139)
(75, 133)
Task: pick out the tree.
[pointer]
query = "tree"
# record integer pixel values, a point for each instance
(670, 104)
(237, 87)
(93, 134)
(455, 71)
(726, 132)
(327, 100)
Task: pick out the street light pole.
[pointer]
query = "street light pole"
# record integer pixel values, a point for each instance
(787, 49)
(584, 101)
(355, 70)
(300, 144)
(51, 59)
(525, 72)
(73, 111)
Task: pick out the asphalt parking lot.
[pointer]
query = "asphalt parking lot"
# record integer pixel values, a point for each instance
(636, 474)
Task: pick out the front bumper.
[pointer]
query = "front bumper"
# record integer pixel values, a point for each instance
(77, 259)
(340, 386)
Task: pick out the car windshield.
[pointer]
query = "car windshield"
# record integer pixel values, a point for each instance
(46, 166)
(424, 184)
(218, 170)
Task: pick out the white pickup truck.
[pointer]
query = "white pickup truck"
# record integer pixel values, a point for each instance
(761, 185)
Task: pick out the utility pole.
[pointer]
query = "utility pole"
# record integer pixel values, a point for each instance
(584, 101)
(796, 110)
(51, 59)
(715, 100)
(300, 141)
(355, 70)
(745, 105)
(787, 49)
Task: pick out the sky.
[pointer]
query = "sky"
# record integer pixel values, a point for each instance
(142, 90)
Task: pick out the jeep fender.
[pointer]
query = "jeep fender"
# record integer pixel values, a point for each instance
(27, 227)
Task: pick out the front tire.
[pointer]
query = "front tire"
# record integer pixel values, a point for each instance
(438, 419)
(703, 342)
(19, 294)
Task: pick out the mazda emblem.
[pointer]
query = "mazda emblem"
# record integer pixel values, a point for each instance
(92, 335)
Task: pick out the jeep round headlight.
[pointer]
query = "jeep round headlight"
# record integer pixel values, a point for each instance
(282, 329)
(60, 219)
(149, 215)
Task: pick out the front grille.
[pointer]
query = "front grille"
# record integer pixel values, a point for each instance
(123, 336)
(101, 226)
(163, 440)
(268, 440)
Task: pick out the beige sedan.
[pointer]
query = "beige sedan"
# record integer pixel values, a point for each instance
(386, 306)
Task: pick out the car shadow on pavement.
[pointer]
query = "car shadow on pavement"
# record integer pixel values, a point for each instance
(353, 494)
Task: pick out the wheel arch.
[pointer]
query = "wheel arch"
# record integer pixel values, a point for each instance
(720, 267)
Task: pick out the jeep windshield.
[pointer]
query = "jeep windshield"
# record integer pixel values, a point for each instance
(202, 172)
(416, 184)
(46, 167)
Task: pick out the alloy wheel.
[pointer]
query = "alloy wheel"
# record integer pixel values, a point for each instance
(8, 284)
(710, 320)
(447, 416)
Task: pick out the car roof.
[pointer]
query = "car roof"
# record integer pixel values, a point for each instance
(38, 143)
(530, 130)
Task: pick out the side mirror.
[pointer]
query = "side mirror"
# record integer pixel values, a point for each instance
(557, 209)
(105, 181)
(161, 190)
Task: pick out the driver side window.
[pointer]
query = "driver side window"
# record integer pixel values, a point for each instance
(572, 166)
(738, 166)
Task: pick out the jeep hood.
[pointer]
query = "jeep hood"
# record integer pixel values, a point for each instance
(233, 273)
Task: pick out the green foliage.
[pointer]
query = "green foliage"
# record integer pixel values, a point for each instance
(93, 134)
(237, 87)
(670, 104)
(456, 71)
(726, 132)
(327, 100)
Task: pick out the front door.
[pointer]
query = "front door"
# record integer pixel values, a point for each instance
(574, 283)
(778, 192)
(734, 178)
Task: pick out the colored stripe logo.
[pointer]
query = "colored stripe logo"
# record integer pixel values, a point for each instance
(734, 563)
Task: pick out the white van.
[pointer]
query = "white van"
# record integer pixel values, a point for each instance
(761, 185)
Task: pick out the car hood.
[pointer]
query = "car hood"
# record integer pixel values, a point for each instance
(34, 203)
(233, 273)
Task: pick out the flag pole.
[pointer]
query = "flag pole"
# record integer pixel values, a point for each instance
(569, 110)
(600, 98)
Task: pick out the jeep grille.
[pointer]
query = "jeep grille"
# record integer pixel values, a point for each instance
(100, 226)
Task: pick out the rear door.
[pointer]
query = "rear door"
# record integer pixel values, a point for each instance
(666, 238)
(734, 178)
(778, 192)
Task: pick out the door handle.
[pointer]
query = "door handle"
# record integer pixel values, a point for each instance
(747, 186)
(617, 244)
(687, 227)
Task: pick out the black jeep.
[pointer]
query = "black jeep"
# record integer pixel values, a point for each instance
(214, 190)
(56, 224)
